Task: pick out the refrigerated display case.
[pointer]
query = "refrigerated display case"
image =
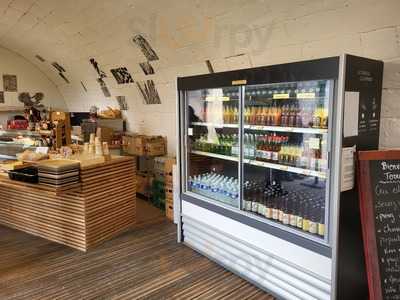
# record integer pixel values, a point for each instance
(13, 142)
(260, 172)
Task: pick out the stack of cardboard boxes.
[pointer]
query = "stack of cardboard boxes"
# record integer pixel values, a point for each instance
(144, 145)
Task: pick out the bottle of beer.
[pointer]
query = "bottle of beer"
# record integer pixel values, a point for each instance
(321, 223)
(293, 211)
(261, 204)
(285, 213)
(254, 203)
(299, 219)
(268, 205)
(306, 220)
(313, 224)
(275, 208)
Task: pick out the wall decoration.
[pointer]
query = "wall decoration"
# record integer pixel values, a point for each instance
(32, 101)
(1, 97)
(95, 65)
(122, 103)
(83, 86)
(58, 67)
(149, 92)
(100, 80)
(40, 58)
(10, 83)
(60, 70)
(63, 77)
(145, 47)
(209, 66)
(104, 87)
(147, 68)
(121, 75)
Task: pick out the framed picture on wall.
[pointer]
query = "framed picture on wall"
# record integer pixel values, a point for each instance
(10, 83)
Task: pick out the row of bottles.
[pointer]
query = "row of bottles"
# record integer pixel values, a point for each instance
(287, 115)
(216, 186)
(273, 148)
(226, 144)
(278, 149)
(231, 115)
(299, 209)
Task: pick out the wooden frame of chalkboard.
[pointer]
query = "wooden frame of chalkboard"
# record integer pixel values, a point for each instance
(378, 175)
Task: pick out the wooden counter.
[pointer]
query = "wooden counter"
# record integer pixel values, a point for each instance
(102, 207)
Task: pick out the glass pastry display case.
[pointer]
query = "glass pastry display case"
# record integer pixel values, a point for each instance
(13, 142)
(262, 187)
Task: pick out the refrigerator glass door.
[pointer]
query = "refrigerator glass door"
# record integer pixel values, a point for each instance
(212, 144)
(285, 150)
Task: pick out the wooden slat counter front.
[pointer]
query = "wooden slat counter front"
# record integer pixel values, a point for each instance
(103, 207)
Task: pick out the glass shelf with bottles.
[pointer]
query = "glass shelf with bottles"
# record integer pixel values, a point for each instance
(297, 154)
(296, 205)
(213, 185)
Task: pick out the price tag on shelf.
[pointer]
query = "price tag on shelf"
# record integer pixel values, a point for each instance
(258, 127)
(281, 96)
(210, 98)
(190, 131)
(314, 143)
(306, 172)
(283, 168)
(306, 95)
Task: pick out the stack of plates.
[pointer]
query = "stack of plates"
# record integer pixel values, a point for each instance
(59, 173)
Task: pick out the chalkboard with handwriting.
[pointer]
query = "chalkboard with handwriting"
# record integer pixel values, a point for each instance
(379, 189)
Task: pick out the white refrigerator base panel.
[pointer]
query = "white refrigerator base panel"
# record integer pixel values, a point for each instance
(286, 270)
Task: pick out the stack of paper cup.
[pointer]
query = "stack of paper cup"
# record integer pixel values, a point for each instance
(92, 138)
(86, 147)
(106, 150)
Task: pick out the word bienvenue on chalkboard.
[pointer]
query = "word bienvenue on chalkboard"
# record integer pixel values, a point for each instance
(379, 188)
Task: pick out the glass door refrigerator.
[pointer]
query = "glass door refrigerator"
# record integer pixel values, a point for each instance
(262, 188)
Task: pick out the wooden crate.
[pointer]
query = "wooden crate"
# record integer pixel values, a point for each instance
(155, 146)
(169, 210)
(169, 192)
(143, 184)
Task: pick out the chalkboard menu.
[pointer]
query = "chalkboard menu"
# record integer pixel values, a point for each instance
(379, 189)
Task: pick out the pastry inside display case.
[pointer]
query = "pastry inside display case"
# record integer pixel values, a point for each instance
(13, 142)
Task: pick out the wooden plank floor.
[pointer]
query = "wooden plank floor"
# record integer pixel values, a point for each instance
(144, 263)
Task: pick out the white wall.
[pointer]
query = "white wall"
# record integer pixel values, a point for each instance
(29, 79)
(186, 33)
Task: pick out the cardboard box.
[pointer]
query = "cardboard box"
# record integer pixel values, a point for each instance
(144, 145)
(105, 134)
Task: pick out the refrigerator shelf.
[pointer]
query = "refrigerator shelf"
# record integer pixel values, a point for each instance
(267, 128)
(274, 166)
